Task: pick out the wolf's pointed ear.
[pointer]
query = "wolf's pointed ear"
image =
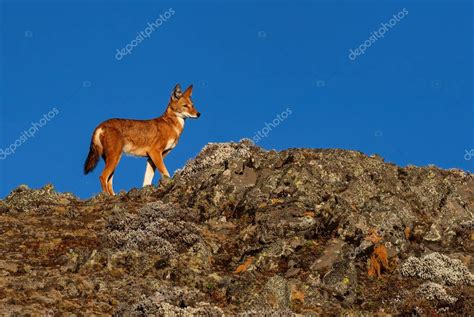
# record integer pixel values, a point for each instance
(189, 91)
(176, 94)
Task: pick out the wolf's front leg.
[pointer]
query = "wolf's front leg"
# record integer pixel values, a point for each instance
(157, 159)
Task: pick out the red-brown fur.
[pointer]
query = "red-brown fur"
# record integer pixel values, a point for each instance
(153, 138)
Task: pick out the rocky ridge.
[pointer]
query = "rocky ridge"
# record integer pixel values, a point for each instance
(244, 231)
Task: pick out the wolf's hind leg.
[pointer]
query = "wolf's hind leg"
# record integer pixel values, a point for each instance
(149, 172)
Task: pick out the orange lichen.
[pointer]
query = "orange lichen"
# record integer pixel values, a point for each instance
(373, 236)
(214, 235)
(262, 205)
(379, 258)
(309, 214)
(275, 201)
(244, 266)
(374, 267)
(407, 233)
(297, 295)
(378, 261)
(381, 252)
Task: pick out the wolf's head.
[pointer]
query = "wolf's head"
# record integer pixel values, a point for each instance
(181, 103)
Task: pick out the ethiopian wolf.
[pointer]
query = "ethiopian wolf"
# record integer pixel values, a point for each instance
(152, 139)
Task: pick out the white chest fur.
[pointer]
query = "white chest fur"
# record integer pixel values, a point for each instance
(170, 144)
(178, 129)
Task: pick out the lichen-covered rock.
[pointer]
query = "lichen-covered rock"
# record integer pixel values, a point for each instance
(241, 231)
(154, 307)
(216, 154)
(156, 228)
(24, 199)
(438, 268)
(435, 292)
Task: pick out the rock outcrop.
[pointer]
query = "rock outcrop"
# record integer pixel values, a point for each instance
(244, 231)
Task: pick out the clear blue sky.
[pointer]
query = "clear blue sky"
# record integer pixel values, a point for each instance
(407, 98)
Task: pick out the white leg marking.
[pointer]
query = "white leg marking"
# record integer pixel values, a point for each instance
(111, 183)
(149, 173)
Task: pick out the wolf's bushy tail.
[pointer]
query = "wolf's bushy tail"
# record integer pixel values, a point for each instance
(92, 158)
